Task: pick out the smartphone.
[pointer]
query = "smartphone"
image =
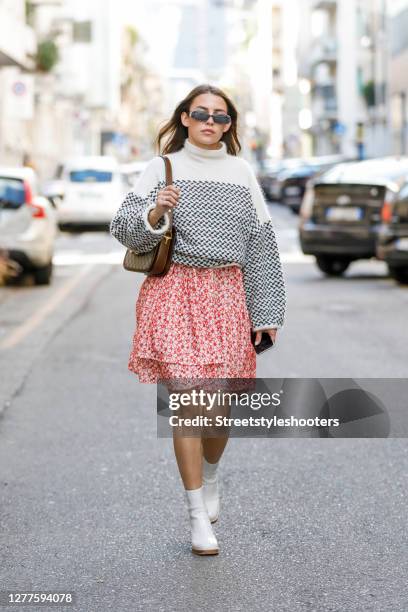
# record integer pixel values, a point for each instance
(265, 343)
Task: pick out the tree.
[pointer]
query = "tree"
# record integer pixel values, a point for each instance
(369, 93)
(47, 55)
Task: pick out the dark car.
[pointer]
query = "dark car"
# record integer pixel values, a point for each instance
(293, 182)
(340, 215)
(270, 172)
(392, 245)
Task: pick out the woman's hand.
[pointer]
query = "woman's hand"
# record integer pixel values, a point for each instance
(271, 331)
(167, 199)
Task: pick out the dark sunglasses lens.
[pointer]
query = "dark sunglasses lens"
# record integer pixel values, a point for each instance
(203, 116)
(200, 115)
(222, 118)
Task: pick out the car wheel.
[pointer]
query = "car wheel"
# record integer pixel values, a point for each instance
(332, 266)
(295, 210)
(42, 276)
(399, 273)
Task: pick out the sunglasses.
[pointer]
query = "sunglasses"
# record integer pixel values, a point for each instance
(200, 115)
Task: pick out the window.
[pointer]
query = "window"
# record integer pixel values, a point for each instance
(90, 176)
(12, 193)
(82, 31)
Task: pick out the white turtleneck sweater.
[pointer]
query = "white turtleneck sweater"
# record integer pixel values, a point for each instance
(221, 219)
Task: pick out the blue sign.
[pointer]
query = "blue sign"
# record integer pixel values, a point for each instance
(19, 88)
(339, 128)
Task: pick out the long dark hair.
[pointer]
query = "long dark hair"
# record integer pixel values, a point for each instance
(178, 132)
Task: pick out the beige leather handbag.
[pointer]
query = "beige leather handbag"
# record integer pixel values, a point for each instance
(157, 261)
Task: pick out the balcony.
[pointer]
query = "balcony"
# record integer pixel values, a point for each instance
(324, 5)
(17, 42)
(324, 100)
(324, 109)
(324, 49)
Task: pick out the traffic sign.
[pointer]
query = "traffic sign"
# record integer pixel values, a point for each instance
(19, 88)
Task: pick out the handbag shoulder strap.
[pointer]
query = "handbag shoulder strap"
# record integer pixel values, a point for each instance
(169, 172)
(169, 181)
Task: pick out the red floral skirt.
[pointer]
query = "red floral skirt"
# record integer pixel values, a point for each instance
(192, 323)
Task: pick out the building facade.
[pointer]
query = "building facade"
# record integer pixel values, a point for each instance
(398, 82)
(344, 53)
(17, 50)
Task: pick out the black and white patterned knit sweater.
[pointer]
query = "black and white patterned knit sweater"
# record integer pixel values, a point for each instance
(221, 219)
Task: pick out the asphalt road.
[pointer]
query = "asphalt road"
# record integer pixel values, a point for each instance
(92, 501)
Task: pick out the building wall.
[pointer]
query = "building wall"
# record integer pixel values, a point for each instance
(265, 115)
(16, 38)
(289, 86)
(341, 62)
(398, 28)
(91, 68)
(346, 77)
(17, 41)
(274, 72)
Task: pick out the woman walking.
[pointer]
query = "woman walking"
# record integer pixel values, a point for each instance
(225, 277)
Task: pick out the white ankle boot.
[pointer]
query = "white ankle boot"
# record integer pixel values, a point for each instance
(211, 490)
(203, 539)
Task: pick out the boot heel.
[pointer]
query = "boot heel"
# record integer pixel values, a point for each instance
(213, 551)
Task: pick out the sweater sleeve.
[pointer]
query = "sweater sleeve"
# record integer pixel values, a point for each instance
(130, 225)
(262, 271)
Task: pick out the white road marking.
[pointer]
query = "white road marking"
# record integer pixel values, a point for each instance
(74, 258)
(296, 257)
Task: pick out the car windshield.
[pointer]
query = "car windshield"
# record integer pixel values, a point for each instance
(367, 172)
(12, 194)
(301, 171)
(293, 162)
(90, 176)
(282, 164)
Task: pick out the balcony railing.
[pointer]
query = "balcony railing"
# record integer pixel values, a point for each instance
(327, 5)
(324, 109)
(324, 49)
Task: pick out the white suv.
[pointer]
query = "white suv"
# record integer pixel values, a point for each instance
(28, 223)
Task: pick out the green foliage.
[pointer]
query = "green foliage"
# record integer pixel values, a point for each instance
(133, 35)
(47, 55)
(29, 12)
(369, 93)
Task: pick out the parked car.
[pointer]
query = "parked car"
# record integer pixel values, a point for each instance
(28, 224)
(90, 188)
(269, 174)
(340, 213)
(292, 182)
(392, 245)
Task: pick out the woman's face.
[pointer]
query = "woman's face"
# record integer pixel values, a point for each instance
(197, 133)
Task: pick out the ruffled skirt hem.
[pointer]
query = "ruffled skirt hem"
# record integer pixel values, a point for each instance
(193, 323)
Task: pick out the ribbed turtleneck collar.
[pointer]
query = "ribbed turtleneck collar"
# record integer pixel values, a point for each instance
(200, 153)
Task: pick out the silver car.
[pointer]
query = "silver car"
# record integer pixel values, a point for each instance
(28, 223)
